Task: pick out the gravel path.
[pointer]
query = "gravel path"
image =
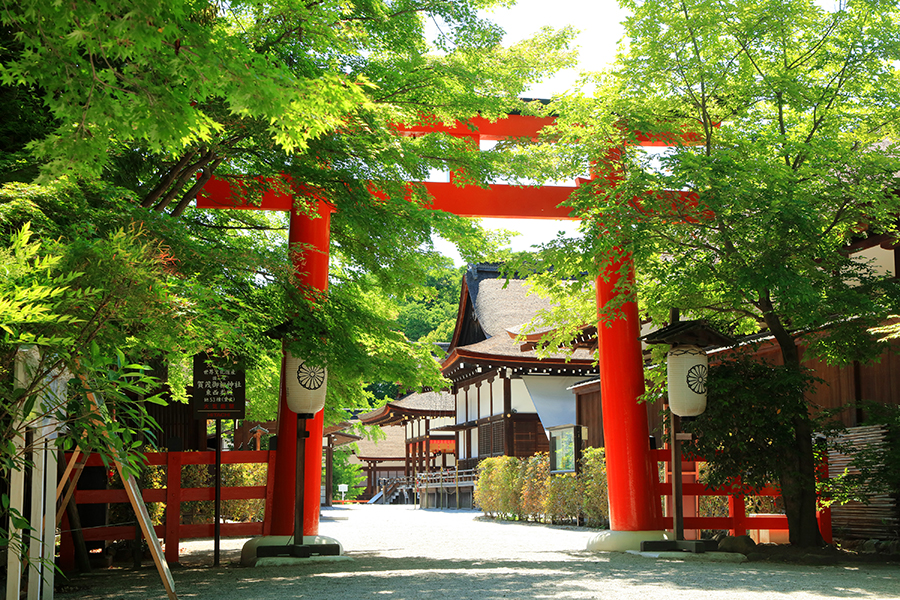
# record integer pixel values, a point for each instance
(401, 553)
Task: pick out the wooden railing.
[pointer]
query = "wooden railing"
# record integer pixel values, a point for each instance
(446, 479)
(390, 485)
(172, 530)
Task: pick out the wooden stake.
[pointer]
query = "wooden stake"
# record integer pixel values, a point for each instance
(140, 510)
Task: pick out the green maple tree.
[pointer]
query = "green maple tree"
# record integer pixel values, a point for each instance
(780, 120)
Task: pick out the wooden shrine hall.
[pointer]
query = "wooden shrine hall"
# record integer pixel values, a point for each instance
(426, 450)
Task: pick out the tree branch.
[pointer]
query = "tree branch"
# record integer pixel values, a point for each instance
(198, 185)
(167, 180)
(182, 179)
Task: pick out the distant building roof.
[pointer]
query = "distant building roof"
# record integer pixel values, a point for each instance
(416, 404)
(493, 311)
(391, 447)
(340, 433)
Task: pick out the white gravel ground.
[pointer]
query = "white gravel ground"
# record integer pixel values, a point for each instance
(401, 553)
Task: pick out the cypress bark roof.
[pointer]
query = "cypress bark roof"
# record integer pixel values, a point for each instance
(492, 312)
(392, 447)
(416, 404)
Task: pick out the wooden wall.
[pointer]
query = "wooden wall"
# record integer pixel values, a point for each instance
(849, 385)
(877, 519)
(588, 412)
(528, 436)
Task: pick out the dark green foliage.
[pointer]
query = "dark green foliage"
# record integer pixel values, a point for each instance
(430, 313)
(748, 425)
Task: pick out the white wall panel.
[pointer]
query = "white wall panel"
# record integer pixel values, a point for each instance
(521, 400)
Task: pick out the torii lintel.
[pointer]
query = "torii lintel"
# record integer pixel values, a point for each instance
(496, 201)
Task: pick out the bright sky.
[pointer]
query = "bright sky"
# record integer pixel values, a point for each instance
(599, 23)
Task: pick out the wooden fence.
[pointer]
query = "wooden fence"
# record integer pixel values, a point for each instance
(738, 521)
(879, 518)
(172, 530)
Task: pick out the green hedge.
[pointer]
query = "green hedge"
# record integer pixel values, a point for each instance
(522, 489)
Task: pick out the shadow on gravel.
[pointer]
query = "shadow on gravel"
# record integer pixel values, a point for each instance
(591, 575)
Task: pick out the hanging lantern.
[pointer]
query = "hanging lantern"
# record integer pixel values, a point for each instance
(687, 369)
(305, 385)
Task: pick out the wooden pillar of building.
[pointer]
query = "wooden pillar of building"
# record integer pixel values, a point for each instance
(477, 401)
(428, 466)
(406, 461)
(371, 480)
(508, 444)
(329, 470)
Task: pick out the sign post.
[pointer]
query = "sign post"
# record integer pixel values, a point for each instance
(219, 393)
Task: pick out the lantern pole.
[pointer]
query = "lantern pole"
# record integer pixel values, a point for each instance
(677, 494)
(302, 434)
(686, 366)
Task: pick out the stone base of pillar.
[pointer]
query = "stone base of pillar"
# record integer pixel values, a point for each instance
(622, 541)
(249, 551)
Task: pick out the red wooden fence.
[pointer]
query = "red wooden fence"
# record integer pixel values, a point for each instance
(172, 531)
(738, 521)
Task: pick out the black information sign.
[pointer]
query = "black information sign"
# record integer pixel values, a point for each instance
(219, 389)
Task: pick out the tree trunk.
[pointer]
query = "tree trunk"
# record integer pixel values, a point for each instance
(798, 488)
(798, 478)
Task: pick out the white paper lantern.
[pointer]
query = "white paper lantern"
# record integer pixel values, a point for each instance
(306, 385)
(687, 369)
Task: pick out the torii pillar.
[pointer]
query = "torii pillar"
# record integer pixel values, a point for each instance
(635, 512)
(309, 239)
(308, 242)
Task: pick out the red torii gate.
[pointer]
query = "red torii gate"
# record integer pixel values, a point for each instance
(631, 473)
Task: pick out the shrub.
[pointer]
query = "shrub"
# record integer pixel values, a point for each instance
(149, 478)
(535, 475)
(484, 495)
(595, 505)
(564, 498)
(233, 475)
(511, 488)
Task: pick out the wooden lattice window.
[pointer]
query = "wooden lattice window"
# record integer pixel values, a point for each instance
(497, 438)
(484, 440)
